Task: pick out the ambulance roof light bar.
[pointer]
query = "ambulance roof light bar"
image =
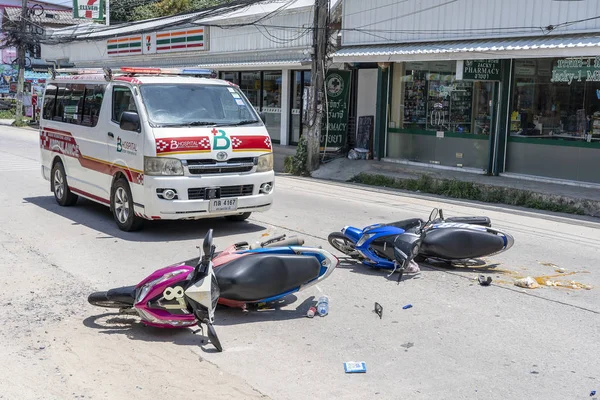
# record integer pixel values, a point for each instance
(109, 73)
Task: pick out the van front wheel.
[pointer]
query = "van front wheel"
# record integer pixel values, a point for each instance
(122, 207)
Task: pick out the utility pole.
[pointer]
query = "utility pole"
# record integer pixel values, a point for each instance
(316, 103)
(21, 62)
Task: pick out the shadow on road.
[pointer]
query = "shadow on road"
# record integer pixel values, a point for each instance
(113, 323)
(98, 217)
(358, 267)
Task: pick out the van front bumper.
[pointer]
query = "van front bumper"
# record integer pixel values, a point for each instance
(192, 195)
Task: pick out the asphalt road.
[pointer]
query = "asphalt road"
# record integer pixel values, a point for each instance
(459, 340)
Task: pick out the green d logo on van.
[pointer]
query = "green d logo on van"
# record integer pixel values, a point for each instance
(220, 141)
(119, 144)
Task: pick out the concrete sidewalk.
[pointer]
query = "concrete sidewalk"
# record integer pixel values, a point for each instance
(344, 169)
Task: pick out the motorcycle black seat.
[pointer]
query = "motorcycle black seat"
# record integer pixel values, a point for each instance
(483, 221)
(261, 276)
(460, 243)
(407, 224)
(124, 294)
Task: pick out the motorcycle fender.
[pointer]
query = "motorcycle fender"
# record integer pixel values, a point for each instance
(352, 233)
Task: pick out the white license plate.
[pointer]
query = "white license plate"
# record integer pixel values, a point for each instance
(217, 205)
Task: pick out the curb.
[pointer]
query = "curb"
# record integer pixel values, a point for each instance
(564, 204)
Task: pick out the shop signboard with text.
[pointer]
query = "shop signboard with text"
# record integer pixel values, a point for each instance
(335, 119)
(92, 10)
(580, 69)
(479, 70)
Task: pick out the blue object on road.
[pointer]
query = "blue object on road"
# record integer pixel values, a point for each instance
(407, 306)
(354, 367)
(593, 393)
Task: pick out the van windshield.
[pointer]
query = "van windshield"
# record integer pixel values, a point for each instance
(196, 104)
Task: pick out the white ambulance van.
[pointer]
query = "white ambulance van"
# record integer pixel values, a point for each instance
(155, 143)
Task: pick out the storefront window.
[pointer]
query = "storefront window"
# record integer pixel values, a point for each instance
(263, 90)
(556, 99)
(271, 105)
(435, 117)
(434, 100)
(232, 77)
(250, 85)
(555, 118)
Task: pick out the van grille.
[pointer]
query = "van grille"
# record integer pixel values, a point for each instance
(234, 165)
(226, 191)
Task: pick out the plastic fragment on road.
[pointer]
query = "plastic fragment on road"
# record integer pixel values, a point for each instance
(407, 306)
(592, 393)
(353, 367)
(528, 283)
(378, 310)
(483, 281)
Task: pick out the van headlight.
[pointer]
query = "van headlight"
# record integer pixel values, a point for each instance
(159, 166)
(265, 163)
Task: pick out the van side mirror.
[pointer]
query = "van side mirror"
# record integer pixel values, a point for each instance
(130, 121)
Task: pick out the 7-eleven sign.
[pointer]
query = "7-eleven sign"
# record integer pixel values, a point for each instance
(88, 9)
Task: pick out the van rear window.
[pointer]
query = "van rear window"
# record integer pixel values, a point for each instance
(76, 104)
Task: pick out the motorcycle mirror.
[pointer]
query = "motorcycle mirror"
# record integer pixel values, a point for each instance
(208, 243)
(441, 214)
(433, 214)
(214, 339)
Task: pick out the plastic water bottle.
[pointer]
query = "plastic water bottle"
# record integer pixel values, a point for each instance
(323, 306)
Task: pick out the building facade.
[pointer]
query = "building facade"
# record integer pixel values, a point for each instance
(43, 15)
(265, 48)
(478, 86)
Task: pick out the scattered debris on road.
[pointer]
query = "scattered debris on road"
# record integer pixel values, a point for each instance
(407, 306)
(352, 367)
(378, 310)
(483, 281)
(528, 283)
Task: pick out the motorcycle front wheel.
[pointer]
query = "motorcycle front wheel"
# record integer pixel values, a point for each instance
(342, 244)
(100, 299)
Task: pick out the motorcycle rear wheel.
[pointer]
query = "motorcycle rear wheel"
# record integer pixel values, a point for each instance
(342, 244)
(100, 299)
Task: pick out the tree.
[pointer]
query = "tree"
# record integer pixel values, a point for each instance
(122, 12)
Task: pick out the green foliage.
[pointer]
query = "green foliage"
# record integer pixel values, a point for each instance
(6, 114)
(297, 164)
(121, 12)
(471, 191)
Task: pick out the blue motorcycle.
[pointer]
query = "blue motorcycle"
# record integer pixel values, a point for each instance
(453, 240)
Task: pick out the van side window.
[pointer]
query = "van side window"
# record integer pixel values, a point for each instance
(122, 100)
(73, 103)
(49, 101)
(60, 103)
(92, 104)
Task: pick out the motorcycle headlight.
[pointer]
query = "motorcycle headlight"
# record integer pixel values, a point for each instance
(159, 166)
(265, 163)
(364, 238)
(148, 286)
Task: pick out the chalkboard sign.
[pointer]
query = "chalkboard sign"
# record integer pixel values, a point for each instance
(364, 131)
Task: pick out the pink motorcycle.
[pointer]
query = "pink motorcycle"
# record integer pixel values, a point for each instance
(187, 293)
